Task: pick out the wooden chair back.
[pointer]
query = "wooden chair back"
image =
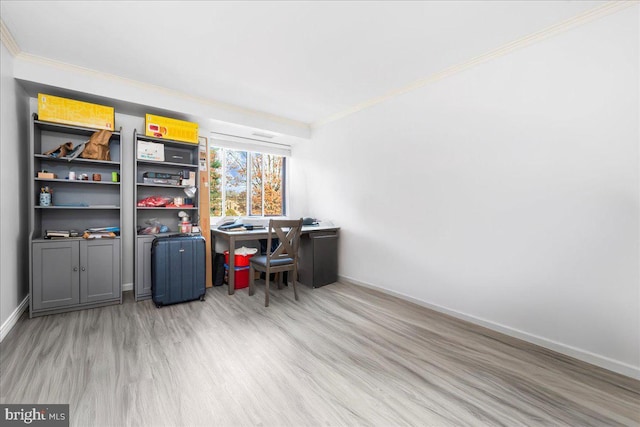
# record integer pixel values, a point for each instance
(288, 233)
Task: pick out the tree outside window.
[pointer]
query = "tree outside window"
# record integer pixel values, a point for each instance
(256, 183)
(215, 182)
(246, 183)
(273, 188)
(235, 187)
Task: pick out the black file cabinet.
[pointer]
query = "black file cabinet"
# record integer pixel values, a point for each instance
(318, 258)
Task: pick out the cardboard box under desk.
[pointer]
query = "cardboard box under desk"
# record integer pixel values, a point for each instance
(72, 112)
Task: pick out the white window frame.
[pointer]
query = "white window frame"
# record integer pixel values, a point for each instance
(226, 144)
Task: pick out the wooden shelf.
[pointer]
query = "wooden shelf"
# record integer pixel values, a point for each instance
(174, 152)
(181, 208)
(77, 130)
(76, 160)
(80, 273)
(167, 141)
(79, 207)
(76, 181)
(64, 239)
(159, 163)
(142, 184)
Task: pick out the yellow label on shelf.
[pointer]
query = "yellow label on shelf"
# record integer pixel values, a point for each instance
(178, 130)
(72, 112)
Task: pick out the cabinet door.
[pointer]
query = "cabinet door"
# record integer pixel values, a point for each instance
(318, 259)
(143, 267)
(99, 270)
(325, 259)
(55, 274)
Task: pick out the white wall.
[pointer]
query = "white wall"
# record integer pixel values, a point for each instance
(507, 194)
(14, 216)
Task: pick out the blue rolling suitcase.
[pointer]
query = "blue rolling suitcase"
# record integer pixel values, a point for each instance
(177, 269)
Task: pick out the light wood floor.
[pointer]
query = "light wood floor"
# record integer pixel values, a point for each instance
(342, 355)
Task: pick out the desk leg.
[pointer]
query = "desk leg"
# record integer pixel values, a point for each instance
(232, 265)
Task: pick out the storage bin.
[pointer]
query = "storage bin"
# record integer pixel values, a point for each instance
(167, 128)
(178, 155)
(242, 275)
(77, 113)
(239, 260)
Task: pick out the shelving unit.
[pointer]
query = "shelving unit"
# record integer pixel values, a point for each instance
(165, 215)
(73, 273)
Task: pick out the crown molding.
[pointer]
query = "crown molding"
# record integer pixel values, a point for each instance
(581, 19)
(39, 60)
(7, 39)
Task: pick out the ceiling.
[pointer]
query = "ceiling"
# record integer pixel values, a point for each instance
(303, 61)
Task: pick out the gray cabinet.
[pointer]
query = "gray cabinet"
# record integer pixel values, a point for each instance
(318, 259)
(143, 267)
(74, 273)
(161, 178)
(56, 281)
(99, 270)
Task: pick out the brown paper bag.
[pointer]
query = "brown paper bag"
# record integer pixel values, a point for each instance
(97, 148)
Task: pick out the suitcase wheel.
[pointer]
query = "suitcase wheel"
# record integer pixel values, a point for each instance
(158, 305)
(201, 297)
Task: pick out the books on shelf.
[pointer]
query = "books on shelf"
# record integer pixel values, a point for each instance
(90, 233)
(49, 234)
(60, 234)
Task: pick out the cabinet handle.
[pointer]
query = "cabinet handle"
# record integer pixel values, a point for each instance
(75, 268)
(83, 269)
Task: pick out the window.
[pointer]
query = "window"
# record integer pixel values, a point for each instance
(244, 183)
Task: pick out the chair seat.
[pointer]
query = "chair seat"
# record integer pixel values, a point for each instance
(262, 260)
(283, 258)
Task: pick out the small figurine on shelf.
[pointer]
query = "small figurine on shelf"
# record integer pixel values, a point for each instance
(185, 224)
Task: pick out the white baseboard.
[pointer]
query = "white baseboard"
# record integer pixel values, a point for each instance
(577, 353)
(13, 319)
(127, 287)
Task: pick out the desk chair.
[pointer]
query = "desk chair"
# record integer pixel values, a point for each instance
(283, 258)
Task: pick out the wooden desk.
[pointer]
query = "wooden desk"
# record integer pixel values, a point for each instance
(238, 236)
